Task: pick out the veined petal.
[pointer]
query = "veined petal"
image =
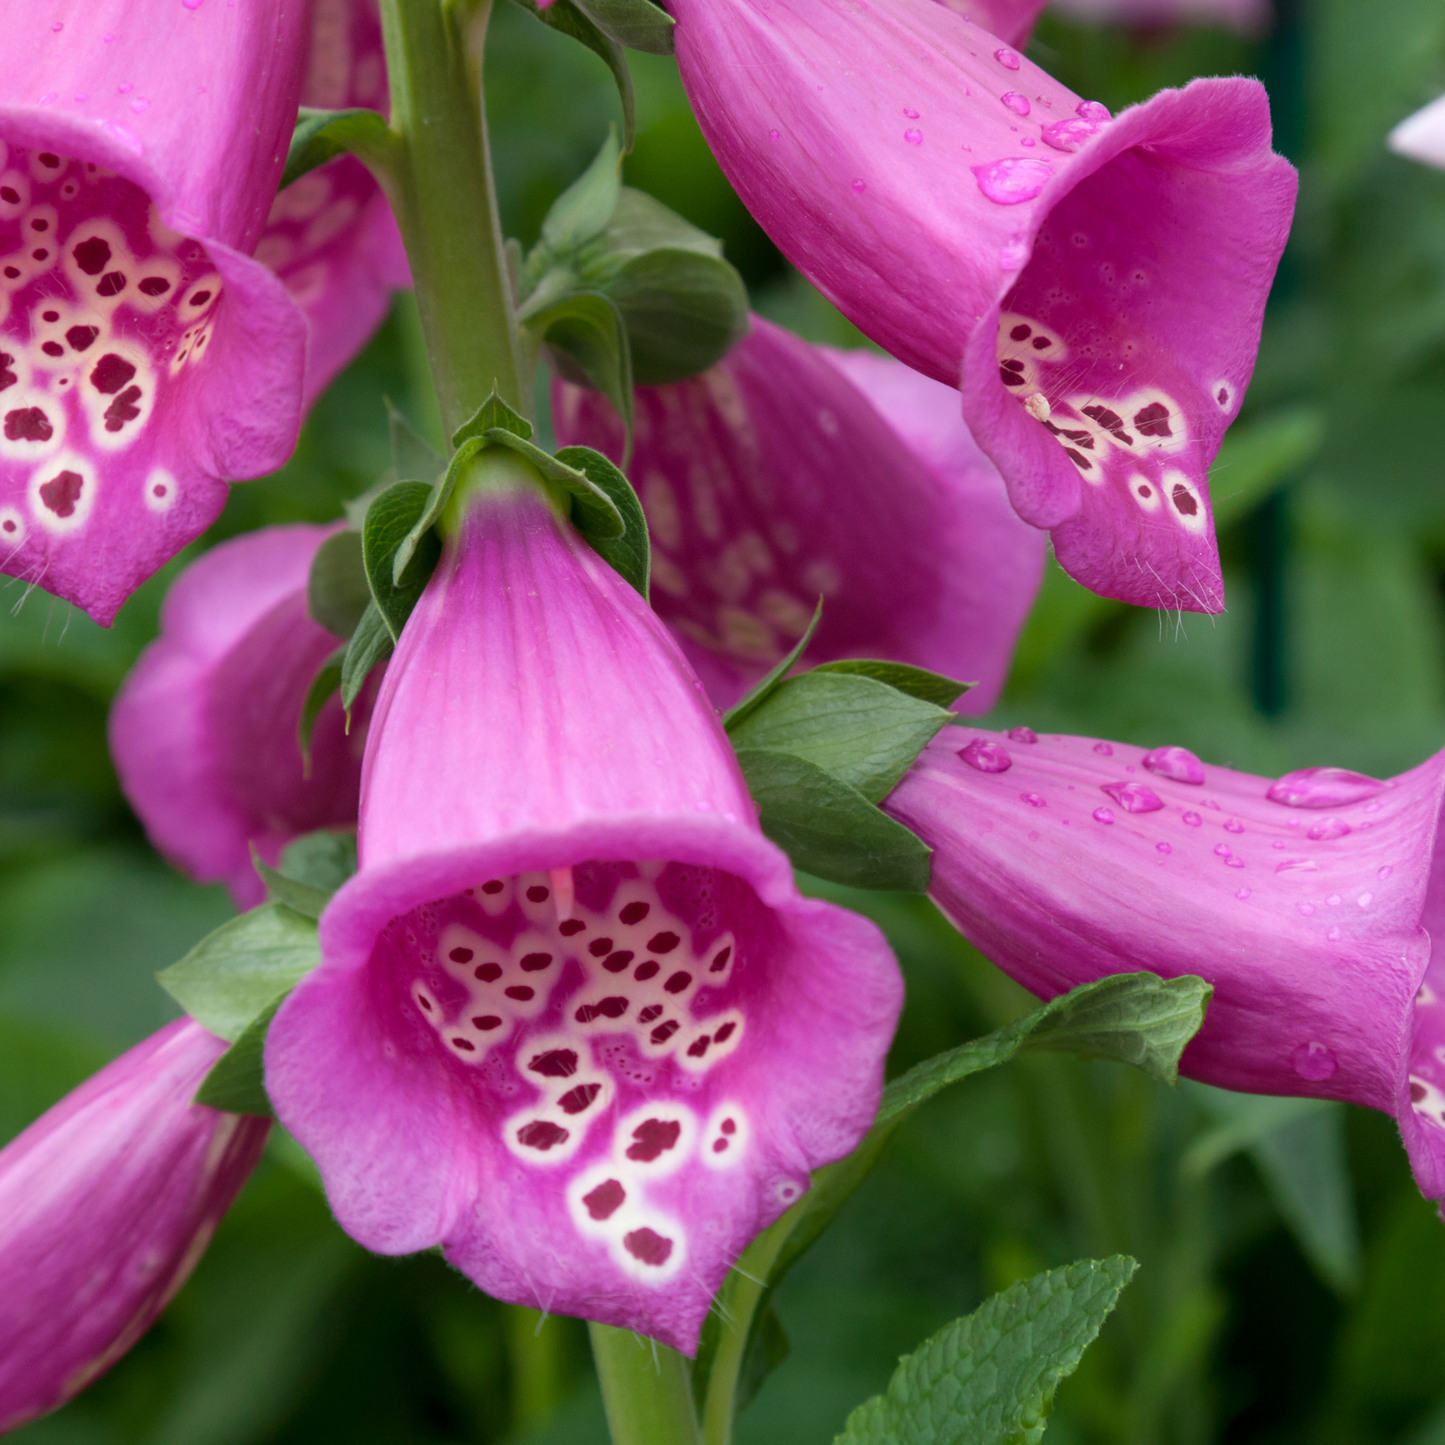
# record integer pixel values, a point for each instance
(1010, 20)
(109, 1200)
(145, 357)
(1308, 904)
(1097, 286)
(204, 731)
(790, 472)
(573, 1022)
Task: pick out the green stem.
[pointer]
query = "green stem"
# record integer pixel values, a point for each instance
(646, 1387)
(537, 1355)
(440, 186)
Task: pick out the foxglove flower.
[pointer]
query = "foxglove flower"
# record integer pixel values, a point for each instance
(145, 357)
(1096, 286)
(107, 1202)
(1247, 17)
(1421, 136)
(204, 731)
(790, 472)
(1308, 902)
(1010, 20)
(573, 1022)
(331, 237)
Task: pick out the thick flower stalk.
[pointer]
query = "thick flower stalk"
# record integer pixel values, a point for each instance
(1309, 902)
(791, 472)
(573, 1022)
(330, 236)
(145, 358)
(204, 731)
(107, 1202)
(1096, 287)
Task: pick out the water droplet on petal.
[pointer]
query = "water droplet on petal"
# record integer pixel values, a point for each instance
(1103, 815)
(192, 4)
(1015, 102)
(1013, 179)
(1234, 862)
(1092, 110)
(986, 756)
(1241, 893)
(1104, 749)
(1305, 908)
(1032, 799)
(1193, 819)
(1134, 797)
(910, 112)
(1323, 788)
(1023, 735)
(859, 186)
(1164, 847)
(1333, 900)
(1223, 850)
(1179, 765)
(914, 137)
(1297, 865)
(1384, 872)
(1365, 899)
(1314, 1061)
(1328, 828)
(1333, 935)
(772, 134)
(1069, 134)
(1233, 825)
(1007, 58)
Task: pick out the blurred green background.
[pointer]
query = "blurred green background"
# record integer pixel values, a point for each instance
(1293, 1283)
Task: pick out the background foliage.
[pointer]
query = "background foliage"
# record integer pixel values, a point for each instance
(1292, 1284)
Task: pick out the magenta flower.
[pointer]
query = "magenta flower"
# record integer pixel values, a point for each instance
(108, 1202)
(145, 358)
(204, 731)
(1421, 136)
(331, 237)
(573, 1022)
(1097, 285)
(790, 472)
(1248, 17)
(1010, 20)
(1309, 903)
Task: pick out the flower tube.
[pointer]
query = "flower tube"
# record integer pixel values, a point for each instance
(107, 1202)
(573, 1022)
(1096, 287)
(1308, 903)
(204, 731)
(145, 357)
(790, 472)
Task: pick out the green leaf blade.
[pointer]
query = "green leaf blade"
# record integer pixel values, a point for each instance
(740, 711)
(917, 682)
(336, 587)
(236, 1082)
(392, 519)
(370, 644)
(322, 135)
(630, 555)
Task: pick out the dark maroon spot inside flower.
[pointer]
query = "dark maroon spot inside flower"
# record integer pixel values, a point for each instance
(575, 1101)
(721, 961)
(614, 1007)
(599, 946)
(48, 159)
(159, 490)
(1153, 420)
(723, 1035)
(9, 194)
(604, 1201)
(62, 492)
(678, 982)
(648, 1246)
(7, 377)
(647, 970)
(81, 337)
(1146, 492)
(111, 284)
(518, 991)
(495, 885)
(635, 912)
(652, 1011)
(719, 1146)
(91, 255)
(663, 1032)
(489, 972)
(537, 893)
(662, 942)
(52, 348)
(425, 1003)
(652, 1138)
(1041, 343)
(554, 1064)
(465, 1044)
(461, 955)
(486, 1022)
(1078, 458)
(698, 1047)
(123, 409)
(111, 373)
(1008, 376)
(1111, 421)
(1021, 332)
(1223, 395)
(11, 272)
(50, 315)
(728, 1127)
(535, 962)
(1417, 1092)
(200, 299)
(154, 286)
(1183, 500)
(571, 926)
(41, 255)
(29, 424)
(616, 962)
(542, 1134)
(39, 224)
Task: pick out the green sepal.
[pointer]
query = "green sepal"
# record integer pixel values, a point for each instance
(640, 223)
(585, 208)
(336, 587)
(412, 457)
(828, 828)
(322, 135)
(990, 1378)
(298, 895)
(237, 1080)
(588, 338)
(593, 511)
(629, 555)
(493, 412)
(767, 1348)
(741, 710)
(394, 518)
(860, 730)
(441, 490)
(917, 682)
(370, 643)
(326, 682)
(234, 972)
(325, 859)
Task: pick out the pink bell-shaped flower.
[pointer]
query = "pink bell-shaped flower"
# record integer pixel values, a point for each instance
(1096, 287)
(204, 731)
(790, 472)
(107, 1202)
(1308, 903)
(145, 358)
(1247, 17)
(573, 1021)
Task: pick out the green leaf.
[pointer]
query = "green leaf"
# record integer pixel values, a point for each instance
(302, 897)
(630, 554)
(588, 339)
(584, 209)
(637, 24)
(565, 16)
(640, 223)
(325, 859)
(326, 681)
(390, 520)
(322, 135)
(469, 447)
(863, 732)
(237, 1080)
(493, 412)
(232, 974)
(990, 1378)
(1257, 459)
(412, 458)
(370, 643)
(767, 1348)
(593, 511)
(741, 710)
(336, 587)
(915, 681)
(829, 828)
